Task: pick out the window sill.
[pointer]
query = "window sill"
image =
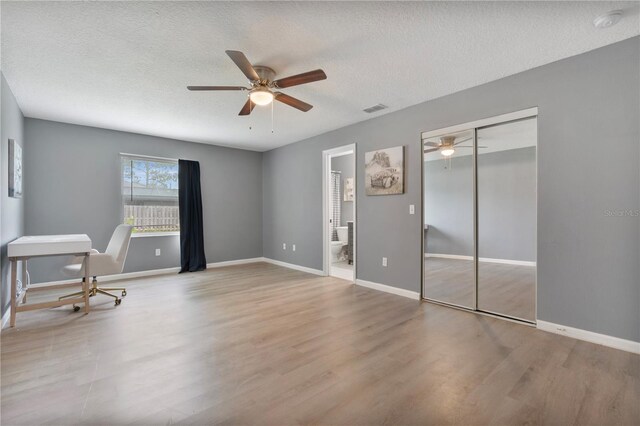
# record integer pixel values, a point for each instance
(154, 234)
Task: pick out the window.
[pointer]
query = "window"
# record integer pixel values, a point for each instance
(150, 194)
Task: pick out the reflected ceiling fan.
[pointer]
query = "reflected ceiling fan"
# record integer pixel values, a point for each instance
(263, 88)
(448, 145)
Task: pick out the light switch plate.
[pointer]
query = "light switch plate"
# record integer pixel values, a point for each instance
(412, 209)
(384, 261)
(284, 246)
(293, 247)
(158, 252)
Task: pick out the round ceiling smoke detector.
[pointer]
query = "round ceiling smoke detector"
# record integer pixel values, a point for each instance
(607, 20)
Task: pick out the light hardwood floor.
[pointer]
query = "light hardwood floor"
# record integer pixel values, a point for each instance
(260, 344)
(502, 288)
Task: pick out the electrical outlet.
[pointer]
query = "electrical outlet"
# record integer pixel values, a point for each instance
(384, 261)
(157, 252)
(284, 246)
(412, 209)
(293, 247)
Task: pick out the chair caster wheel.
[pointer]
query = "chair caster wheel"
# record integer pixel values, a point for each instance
(124, 293)
(76, 308)
(118, 301)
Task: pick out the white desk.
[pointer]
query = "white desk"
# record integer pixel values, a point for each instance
(24, 248)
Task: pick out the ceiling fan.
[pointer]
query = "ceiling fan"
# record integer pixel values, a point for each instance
(263, 87)
(448, 145)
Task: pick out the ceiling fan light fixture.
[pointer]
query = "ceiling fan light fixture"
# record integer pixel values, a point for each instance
(261, 96)
(447, 151)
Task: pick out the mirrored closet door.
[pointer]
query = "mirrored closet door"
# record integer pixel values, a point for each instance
(506, 165)
(449, 269)
(480, 223)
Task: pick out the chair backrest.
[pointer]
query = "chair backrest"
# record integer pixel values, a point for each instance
(119, 244)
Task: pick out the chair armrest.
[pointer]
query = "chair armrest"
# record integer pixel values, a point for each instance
(100, 264)
(80, 259)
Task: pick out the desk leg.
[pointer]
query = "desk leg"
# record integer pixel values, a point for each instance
(14, 273)
(86, 284)
(25, 282)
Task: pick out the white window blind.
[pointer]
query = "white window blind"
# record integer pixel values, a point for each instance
(150, 193)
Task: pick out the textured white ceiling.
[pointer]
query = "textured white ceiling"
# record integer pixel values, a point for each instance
(125, 65)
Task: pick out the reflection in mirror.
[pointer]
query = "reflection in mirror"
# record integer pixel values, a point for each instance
(506, 170)
(449, 272)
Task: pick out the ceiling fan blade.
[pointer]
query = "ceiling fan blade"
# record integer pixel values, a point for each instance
(432, 144)
(216, 88)
(463, 140)
(243, 63)
(293, 102)
(298, 79)
(430, 150)
(467, 146)
(247, 108)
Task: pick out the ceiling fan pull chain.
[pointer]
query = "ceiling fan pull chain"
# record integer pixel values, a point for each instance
(272, 117)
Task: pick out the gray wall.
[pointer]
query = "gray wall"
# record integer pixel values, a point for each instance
(73, 186)
(588, 258)
(507, 204)
(506, 207)
(448, 206)
(344, 164)
(11, 209)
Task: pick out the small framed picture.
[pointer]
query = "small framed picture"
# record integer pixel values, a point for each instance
(348, 189)
(384, 171)
(15, 169)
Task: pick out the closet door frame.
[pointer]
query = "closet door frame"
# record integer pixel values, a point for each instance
(524, 114)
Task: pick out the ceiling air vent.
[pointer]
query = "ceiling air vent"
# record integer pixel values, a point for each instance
(375, 108)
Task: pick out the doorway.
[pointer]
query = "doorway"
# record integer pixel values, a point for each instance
(480, 216)
(339, 212)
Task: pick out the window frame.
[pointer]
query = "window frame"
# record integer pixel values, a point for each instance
(141, 157)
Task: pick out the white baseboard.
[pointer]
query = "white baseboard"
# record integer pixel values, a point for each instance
(389, 289)
(590, 336)
(116, 277)
(482, 259)
(153, 272)
(449, 256)
(507, 261)
(293, 266)
(235, 262)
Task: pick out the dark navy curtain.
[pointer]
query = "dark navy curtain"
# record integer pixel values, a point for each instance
(192, 256)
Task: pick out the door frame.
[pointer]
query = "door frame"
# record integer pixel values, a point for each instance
(475, 126)
(327, 155)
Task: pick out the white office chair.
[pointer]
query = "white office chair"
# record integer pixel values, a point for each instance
(108, 263)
